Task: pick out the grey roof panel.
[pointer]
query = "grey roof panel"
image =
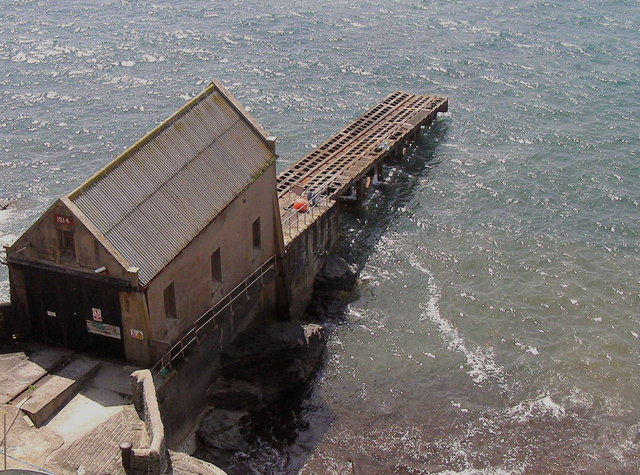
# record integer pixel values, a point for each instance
(160, 194)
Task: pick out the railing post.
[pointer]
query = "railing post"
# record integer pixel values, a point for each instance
(125, 451)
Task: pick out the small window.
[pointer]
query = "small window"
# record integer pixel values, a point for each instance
(67, 244)
(216, 266)
(255, 232)
(170, 301)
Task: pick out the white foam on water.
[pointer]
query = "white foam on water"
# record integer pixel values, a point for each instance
(149, 58)
(7, 239)
(536, 409)
(481, 362)
(484, 471)
(528, 348)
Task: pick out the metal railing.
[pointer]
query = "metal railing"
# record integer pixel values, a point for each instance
(200, 327)
(318, 203)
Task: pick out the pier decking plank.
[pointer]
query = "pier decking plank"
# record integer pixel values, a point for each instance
(335, 166)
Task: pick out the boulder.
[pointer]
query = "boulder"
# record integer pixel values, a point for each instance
(271, 361)
(7, 204)
(233, 394)
(269, 348)
(336, 274)
(221, 429)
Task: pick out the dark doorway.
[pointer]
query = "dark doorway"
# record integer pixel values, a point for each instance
(76, 313)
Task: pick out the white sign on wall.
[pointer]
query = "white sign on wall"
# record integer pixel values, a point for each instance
(103, 329)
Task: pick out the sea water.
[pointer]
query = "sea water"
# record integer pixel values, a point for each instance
(496, 326)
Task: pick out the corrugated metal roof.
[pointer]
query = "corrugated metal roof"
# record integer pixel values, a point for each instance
(161, 193)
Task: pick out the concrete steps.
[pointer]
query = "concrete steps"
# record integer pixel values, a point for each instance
(27, 372)
(56, 389)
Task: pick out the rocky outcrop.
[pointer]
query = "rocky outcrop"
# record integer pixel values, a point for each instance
(233, 394)
(266, 369)
(275, 358)
(262, 367)
(184, 464)
(220, 429)
(333, 288)
(336, 275)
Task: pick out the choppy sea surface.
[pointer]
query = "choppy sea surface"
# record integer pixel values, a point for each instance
(496, 328)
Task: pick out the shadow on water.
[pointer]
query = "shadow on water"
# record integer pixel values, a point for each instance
(362, 227)
(286, 435)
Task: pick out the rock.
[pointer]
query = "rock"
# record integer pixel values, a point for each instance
(313, 333)
(234, 394)
(263, 349)
(221, 429)
(7, 204)
(336, 274)
(316, 309)
(184, 464)
(276, 358)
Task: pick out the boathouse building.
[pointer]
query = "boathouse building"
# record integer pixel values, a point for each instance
(126, 263)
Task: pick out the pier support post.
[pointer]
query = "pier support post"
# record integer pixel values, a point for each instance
(361, 190)
(396, 153)
(125, 451)
(380, 172)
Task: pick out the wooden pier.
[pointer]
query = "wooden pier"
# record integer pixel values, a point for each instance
(346, 163)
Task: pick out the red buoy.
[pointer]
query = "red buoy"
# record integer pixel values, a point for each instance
(301, 205)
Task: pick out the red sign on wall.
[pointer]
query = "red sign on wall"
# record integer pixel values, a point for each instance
(64, 220)
(96, 313)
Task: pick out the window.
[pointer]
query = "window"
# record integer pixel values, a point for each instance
(67, 244)
(170, 301)
(216, 266)
(255, 232)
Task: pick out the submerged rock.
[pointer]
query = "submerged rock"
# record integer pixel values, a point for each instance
(7, 204)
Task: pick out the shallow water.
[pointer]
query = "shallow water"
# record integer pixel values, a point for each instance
(496, 327)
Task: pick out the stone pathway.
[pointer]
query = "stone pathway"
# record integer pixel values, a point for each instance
(90, 455)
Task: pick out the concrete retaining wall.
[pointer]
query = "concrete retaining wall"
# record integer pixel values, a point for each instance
(305, 256)
(153, 460)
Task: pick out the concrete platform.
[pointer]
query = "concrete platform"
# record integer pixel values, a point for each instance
(26, 372)
(97, 452)
(99, 393)
(27, 447)
(59, 388)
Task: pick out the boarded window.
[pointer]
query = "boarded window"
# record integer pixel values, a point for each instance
(216, 266)
(170, 301)
(255, 232)
(67, 244)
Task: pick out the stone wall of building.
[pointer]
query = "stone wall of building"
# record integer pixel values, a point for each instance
(182, 389)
